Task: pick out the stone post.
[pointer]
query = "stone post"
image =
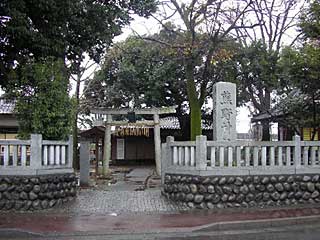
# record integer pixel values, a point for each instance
(224, 112)
(36, 151)
(70, 152)
(297, 151)
(166, 157)
(201, 152)
(107, 147)
(157, 142)
(84, 163)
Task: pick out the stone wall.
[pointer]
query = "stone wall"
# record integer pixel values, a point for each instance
(27, 193)
(249, 191)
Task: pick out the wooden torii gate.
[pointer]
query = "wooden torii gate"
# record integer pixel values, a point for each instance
(124, 111)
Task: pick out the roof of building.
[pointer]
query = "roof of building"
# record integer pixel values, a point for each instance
(6, 106)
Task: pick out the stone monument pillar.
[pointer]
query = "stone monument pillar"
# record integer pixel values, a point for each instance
(224, 112)
(84, 163)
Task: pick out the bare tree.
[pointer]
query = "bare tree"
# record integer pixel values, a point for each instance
(82, 74)
(205, 23)
(276, 22)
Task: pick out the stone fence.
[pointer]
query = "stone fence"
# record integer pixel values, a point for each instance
(36, 174)
(35, 156)
(241, 173)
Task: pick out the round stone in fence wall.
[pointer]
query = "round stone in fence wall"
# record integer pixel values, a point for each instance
(306, 195)
(227, 189)
(211, 189)
(311, 187)
(209, 192)
(315, 194)
(315, 178)
(265, 196)
(261, 187)
(273, 179)
(244, 189)
(279, 187)
(239, 181)
(248, 179)
(216, 198)
(222, 181)
(258, 196)
(235, 189)
(265, 180)
(206, 180)
(193, 188)
(33, 193)
(196, 180)
(230, 180)
(210, 205)
(283, 196)
(34, 180)
(202, 189)
(3, 187)
(240, 198)
(306, 178)
(290, 179)
(219, 190)
(214, 180)
(208, 197)
(189, 197)
(256, 179)
(270, 188)
(198, 198)
(224, 198)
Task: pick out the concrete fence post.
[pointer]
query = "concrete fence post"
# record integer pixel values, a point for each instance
(297, 151)
(201, 152)
(168, 161)
(36, 151)
(84, 163)
(163, 161)
(70, 152)
(166, 157)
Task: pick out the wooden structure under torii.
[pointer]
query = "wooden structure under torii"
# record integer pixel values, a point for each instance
(128, 111)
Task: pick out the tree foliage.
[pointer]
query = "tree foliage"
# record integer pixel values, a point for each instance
(310, 21)
(61, 28)
(42, 102)
(206, 24)
(139, 73)
(300, 76)
(274, 20)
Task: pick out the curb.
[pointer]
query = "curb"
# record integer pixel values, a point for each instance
(252, 224)
(246, 225)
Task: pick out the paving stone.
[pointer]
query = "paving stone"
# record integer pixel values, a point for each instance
(97, 201)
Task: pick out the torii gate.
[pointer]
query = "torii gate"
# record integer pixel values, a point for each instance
(124, 111)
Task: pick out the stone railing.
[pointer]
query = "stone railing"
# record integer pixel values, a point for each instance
(219, 174)
(204, 157)
(35, 156)
(36, 174)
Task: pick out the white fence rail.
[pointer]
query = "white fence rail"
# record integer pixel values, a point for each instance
(35, 156)
(240, 157)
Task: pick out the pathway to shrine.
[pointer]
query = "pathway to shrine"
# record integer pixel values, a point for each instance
(127, 193)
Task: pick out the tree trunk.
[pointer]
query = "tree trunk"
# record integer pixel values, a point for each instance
(266, 124)
(314, 118)
(195, 108)
(265, 131)
(76, 163)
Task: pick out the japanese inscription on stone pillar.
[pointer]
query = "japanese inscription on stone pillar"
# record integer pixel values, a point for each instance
(224, 111)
